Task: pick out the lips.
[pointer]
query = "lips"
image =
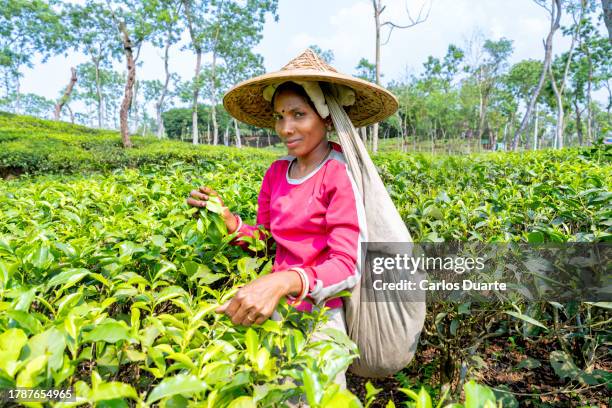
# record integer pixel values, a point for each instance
(292, 142)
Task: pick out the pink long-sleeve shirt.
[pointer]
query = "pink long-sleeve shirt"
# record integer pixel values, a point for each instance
(318, 223)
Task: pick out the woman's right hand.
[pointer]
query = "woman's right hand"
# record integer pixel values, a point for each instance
(199, 198)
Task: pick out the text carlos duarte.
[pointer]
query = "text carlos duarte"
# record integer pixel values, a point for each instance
(411, 264)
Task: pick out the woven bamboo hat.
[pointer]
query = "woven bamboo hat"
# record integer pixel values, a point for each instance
(246, 102)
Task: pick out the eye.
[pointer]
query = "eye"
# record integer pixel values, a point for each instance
(276, 116)
(299, 114)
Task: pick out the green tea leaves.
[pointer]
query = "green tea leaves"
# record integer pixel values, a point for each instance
(179, 384)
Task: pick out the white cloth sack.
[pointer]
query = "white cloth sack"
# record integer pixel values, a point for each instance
(387, 331)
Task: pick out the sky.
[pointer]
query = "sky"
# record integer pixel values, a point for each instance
(347, 28)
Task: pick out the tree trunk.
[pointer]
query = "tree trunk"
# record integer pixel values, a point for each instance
(160, 102)
(579, 133)
(71, 114)
(196, 91)
(555, 17)
(127, 95)
(484, 99)
(377, 10)
(213, 99)
(535, 129)
(96, 62)
(433, 140)
(607, 9)
(560, 89)
(590, 138)
(226, 135)
(134, 107)
(238, 140)
(60, 104)
(364, 134)
(196, 78)
(18, 94)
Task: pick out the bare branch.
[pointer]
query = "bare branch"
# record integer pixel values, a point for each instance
(543, 5)
(420, 19)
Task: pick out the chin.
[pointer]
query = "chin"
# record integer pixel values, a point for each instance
(294, 152)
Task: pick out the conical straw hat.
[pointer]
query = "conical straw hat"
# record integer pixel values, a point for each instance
(246, 103)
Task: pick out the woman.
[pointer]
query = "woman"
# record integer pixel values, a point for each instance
(308, 204)
(308, 199)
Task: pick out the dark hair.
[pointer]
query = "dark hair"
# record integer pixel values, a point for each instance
(293, 87)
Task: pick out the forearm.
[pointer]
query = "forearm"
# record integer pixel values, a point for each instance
(290, 282)
(230, 219)
(336, 274)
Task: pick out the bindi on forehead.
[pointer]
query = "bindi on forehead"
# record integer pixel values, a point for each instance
(289, 109)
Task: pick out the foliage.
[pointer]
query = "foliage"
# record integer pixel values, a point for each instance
(111, 273)
(112, 288)
(27, 28)
(33, 104)
(30, 145)
(177, 121)
(326, 55)
(366, 70)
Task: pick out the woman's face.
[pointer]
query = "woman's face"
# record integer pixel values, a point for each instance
(299, 126)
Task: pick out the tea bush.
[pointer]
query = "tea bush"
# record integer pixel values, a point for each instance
(109, 283)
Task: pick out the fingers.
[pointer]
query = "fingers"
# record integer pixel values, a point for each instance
(243, 316)
(196, 203)
(223, 307)
(198, 198)
(208, 190)
(242, 311)
(261, 319)
(198, 195)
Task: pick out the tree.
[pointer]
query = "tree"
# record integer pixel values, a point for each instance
(133, 21)
(177, 121)
(326, 55)
(195, 17)
(27, 28)
(487, 75)
(93, 32)
(35, 105)
(168, 18)
(607, 11)
(238, 67)
(232, 34)
(378, 10)
(99, 84)
(228, 30)
(366, 70)
(577, 12)
(64, 99)
(519, 82)
(554, 12)
(445, 70)
(591, 68)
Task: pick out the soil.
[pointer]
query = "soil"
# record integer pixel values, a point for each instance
(536, 387)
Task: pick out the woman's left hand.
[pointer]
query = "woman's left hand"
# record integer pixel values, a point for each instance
(255, 302)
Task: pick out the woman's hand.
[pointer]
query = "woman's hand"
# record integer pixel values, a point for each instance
(254, 303)
(199, 198)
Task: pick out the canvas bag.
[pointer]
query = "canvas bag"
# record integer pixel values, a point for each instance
(386, 332)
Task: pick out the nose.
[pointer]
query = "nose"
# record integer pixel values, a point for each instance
(285, 128)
